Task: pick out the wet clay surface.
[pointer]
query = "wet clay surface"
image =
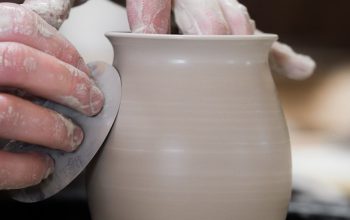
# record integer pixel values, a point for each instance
(199, 135)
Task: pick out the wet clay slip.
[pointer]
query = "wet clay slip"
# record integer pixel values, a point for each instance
(200, 133)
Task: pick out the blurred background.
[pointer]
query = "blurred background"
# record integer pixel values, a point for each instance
(317, 109)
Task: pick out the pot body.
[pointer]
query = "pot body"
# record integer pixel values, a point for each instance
(200, 134)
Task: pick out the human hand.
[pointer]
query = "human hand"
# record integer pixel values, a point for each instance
(35, 58)
(213, 17)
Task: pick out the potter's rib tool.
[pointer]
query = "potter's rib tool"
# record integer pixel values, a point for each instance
(69, 165)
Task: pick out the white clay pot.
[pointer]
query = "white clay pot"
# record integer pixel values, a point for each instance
(200, 133)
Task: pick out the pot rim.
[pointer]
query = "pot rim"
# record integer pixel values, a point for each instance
(262, 36)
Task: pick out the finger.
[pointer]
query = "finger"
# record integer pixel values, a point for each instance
(24, 121)
(53, 12)
(20, 170)
(200, 17)
(45, 76)
(237, 17)
(284, 60)
(149, 16)
(21, 25)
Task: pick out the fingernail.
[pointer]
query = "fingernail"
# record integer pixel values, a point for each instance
(78, 136)
(50, 166)
(96, 100)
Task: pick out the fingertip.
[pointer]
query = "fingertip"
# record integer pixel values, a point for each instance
(77, 139)
(96, 101)
(69, 135)
(50, 164)
(284, 60)
(41, 167)
(21, 170)
(301, 67)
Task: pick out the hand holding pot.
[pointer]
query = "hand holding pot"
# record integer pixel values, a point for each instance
(35, 58)
(213, 17)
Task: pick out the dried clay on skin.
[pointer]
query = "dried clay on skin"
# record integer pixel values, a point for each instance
(93, 104)
(13, 56)
(237, 17)
(74, 136)
(53, 12)
(5, 21)
(18, 21)
(213, 17)
(152, 16)
(200, 17)
(85, 87)
(29, 64)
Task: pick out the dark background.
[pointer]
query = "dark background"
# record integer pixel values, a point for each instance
(316, 23)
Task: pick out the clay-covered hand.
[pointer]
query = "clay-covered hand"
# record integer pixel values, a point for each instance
(36, 59)
(212, 17)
